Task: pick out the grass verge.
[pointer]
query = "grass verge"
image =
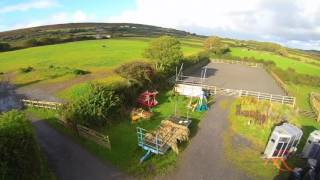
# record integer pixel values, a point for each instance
(247, 156)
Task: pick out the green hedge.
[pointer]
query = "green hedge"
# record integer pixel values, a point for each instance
(19, 152)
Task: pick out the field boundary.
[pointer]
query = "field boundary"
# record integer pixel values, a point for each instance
(315, 104)
(42, 104)
(282, 85)
(83, 131)
(90, 134)
(287, 100)
(250, 64)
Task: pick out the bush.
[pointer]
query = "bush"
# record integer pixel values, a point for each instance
(95, 108)
(80, 72)
(140, 73)
(20, 155)
(27, 69)
(31, 43)
(4, 46)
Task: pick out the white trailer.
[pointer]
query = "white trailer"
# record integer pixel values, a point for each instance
(283, 141)
(314, 138)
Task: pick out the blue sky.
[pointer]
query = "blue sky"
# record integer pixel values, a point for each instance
(294, 23)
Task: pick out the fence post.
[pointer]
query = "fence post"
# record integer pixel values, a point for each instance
(294, 102)
(282, 99)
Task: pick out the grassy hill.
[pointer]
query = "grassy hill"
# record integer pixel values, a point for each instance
(78, 31)
(58, 61)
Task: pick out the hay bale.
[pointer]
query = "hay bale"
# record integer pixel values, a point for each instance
(170, 133)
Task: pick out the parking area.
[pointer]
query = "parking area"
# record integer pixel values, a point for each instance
(237, 76)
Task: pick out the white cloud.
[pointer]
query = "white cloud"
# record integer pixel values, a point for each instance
(77, 16)
(270, 20)
(58, 18)
(35, 4)
(80, 16)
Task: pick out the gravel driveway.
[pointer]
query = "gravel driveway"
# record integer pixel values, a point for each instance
(69, 160)
(204, 158)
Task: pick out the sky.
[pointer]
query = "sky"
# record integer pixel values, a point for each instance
(293, 23)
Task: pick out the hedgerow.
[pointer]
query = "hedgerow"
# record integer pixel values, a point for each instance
(19, 152)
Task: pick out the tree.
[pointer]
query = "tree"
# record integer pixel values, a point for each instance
(31, 42)
(214, 45)
(282, 51)
(165, 51)
(4, 46)
(140, 73)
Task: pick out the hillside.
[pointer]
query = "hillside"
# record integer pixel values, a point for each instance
(77, 31)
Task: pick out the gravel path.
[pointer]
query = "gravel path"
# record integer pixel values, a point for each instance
(204, 158)
(69, 160)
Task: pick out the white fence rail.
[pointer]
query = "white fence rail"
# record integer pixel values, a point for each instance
(41, 104)
(288, 100)
(251, 64)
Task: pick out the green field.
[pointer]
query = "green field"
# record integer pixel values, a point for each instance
(57, 61)
(282, 62)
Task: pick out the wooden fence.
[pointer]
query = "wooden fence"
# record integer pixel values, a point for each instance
(41, 104)
(288, 100)
(90, 134)
(251, 64)
(307, 114)
(315, 104)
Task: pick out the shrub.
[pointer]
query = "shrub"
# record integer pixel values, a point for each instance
(4, 46)
(80, 72)
(27, 69)
(95, 108)
(20, 155)
(140, 73)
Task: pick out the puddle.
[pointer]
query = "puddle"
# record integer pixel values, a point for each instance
(8, 98)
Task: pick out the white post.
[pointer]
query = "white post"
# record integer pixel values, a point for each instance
(282, 99)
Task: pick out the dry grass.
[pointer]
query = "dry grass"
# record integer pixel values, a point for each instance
(170, 133)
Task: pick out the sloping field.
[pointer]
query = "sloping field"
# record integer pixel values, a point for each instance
(58, 62)
(84, 54)
(282, 62)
